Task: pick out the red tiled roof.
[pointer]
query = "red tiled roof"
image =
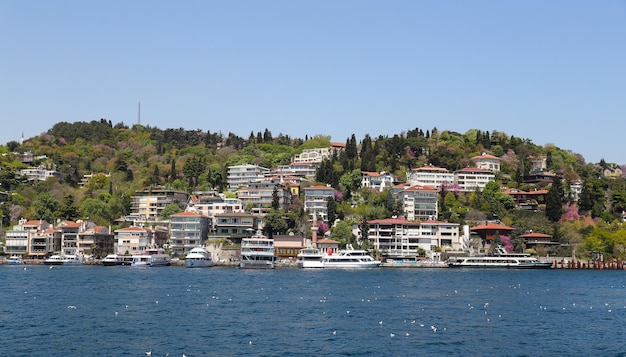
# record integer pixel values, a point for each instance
(492, 226)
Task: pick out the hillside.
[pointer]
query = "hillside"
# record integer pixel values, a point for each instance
(120, 160)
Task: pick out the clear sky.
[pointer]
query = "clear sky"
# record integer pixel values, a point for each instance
(553, 72)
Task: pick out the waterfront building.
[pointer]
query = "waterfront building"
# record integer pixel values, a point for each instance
(136, 239)
(187, 231)
(95, 240)
(398, 238)
(236, 223)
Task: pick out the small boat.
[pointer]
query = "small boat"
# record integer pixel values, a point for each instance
(153, 257)
(499, 259)
(199, 257)
(58, 259)
(14, 260)
(257, 252)
(310, 258)
(349, 258)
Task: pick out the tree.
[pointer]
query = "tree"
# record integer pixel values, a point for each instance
(46, 207)
(554, 201)
(342, 232)
(331, 209)
(274, 223)
(275, 198)
(169, 210)
(68, 209)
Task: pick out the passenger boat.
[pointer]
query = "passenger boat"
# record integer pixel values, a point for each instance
(257, 252)
(153, 257)
(58, 259)
(349, 258)
(199, 257)
(499, 259)
(310, 258)
(14, 260)
(117, 259)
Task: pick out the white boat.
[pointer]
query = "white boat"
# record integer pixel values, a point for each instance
(199, 257)
(257, 252)
(499, 259)
(14, 260)
(59, 259)
(117, 259)
(310, 258)
(153, 257)
(349, 258)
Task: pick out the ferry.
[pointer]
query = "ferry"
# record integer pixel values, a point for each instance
(152, 257)
(349, 258)
(199, 257)
(310, 258)
(499, 259)
(257, 252)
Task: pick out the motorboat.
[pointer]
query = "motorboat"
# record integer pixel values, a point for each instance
(349, 258)
(310, 257)
(257, 252)
(152, 257)
(117, 259)
(59, 259)
(199, 257)
(14, 260)
(500, 258)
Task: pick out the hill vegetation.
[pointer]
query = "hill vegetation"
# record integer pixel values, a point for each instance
(121, 160)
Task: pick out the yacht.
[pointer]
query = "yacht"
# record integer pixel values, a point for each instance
(152, 257)
(58, 259)
(349, 258)
(199, 257)
(14, 260)
(257, 252)
(117, 259)
(499, 259)
(310, 258)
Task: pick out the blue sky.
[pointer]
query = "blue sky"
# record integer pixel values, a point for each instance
(550, 71)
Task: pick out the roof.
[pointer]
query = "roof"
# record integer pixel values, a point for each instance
(536, 235)
(485, 156)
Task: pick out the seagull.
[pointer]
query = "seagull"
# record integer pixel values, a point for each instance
(334, 332)
(392, 334)
(149, 353)
(71, 307)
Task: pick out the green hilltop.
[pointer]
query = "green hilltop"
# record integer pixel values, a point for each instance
(119, 160)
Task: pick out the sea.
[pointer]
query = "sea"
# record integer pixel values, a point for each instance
(176, 311)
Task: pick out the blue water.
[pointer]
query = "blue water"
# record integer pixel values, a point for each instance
(122, 311)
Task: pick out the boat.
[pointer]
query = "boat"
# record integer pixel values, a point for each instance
(349, 258)
(257, 252)
(59, 259)
(14, 260)
(500, 258)
(152, 257)
(310, 257)
(117, 259)
(199, 257)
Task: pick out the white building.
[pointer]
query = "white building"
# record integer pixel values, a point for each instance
(487, 162)
(471, 178)
(429, 176)
(399, 238)
(242, 175)
(313, 155)
(377, 180)
(418, 202)
(316, 200)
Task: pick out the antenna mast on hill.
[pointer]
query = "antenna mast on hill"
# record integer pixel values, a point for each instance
(139, 113)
